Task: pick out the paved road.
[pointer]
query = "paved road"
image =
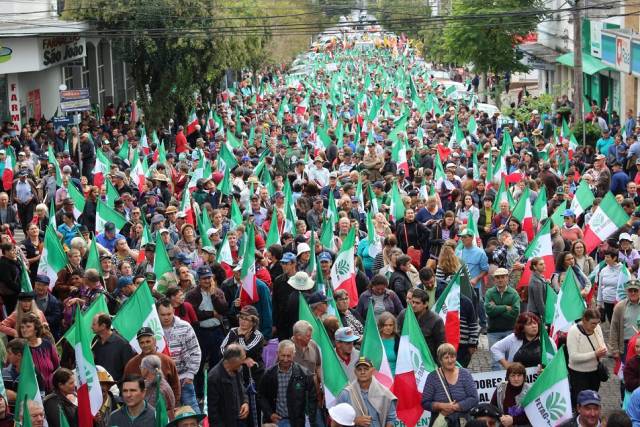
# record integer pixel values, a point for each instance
(609, 391)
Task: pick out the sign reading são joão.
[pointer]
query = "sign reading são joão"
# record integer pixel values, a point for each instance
(61, 49)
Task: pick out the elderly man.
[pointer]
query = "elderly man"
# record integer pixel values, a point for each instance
(345, 340)
(226, 397)
(374, 404)
(588, 410)
(287, 390)
(502, 304)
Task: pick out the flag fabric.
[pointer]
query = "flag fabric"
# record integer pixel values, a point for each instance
(343, 272)
(413, 364)
(249, 289)
(548, 347)
(78, 199)
(205, 400)
(93, 259)
(186, 207)
(582, 199)
(138, 311)
(539, 208)
(623, 277)
(88, 388)
(396, 210)
(557, 217)
(105, 214)
(9, 165)
(334, 379)
(162, 417)
(548, 402)
(605, 221)
(28, 385)
(273, 237)
(53, 258)
(448, 308)
(569, 305)
(523, 212)
(137, 173)
(373, 348)
(101, 168)
(161, 261)
(112, 195)
(192, 121)
(550, 304)
(540, 246)
(99, 305)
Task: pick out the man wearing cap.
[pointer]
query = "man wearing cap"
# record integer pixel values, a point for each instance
(109, 237)
(148, 345)
(588, 410)
(287, 391)
(48, 304)
(374, 404)
(110, 350)
(8, 214)
(478, 266)
(210, 306)
(502, 304)
(316, 214)
(318, 173)
(318, 304)
(624, 323)
(619, 179)
(184, 349)
(281, 292)
(604, 142)
(25, 196)
(345, 340)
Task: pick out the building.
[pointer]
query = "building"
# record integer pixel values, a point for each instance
(40, 55)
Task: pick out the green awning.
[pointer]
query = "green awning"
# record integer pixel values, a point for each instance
(590, 65)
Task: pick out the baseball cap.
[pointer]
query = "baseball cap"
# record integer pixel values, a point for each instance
(124, 281)
(288, 257)
(110, 227)
(346, 334)
(568, 212)
(588, 397)
(183, 258)
(465, 232)
(632, 284)
(624, 236)
(41, 278)
(209, 249)
(145, 331)
(316, 298)
(324, 256)
(501, 272)
(204, 271)
(364, 361)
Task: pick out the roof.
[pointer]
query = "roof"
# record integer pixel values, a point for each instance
(590, 64)
(539, 51)
(41, 27)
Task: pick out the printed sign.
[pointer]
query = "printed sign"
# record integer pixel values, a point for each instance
(56, 50)
(14, 101)
(623, 54)
(75, 100)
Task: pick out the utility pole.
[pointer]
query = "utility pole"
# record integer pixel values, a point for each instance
(577, 62)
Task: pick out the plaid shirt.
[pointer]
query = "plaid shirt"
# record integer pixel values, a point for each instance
(281, 399)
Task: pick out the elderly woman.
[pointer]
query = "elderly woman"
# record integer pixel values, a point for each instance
(62, 398)
(187, 243)
(66, 281)
(348, 316)
(122, 253)
(388, 329)
(522, 346)
(26, 304)
(41, 217)
(509, 394)
(151, 370)
(449, 391)
(382, 298)
(43, 352)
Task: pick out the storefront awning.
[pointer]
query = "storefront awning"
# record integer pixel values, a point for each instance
(590, 64)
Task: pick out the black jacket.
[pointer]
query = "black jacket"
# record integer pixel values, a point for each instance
(279, 301)
(52, 405)
(223, 404)
(301, 395)
(400, 284)
(9, 282)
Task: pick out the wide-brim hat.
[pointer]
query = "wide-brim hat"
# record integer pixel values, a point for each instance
(182, 413)
(301, 281)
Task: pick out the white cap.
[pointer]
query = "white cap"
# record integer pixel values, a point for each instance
(450, 165)
(302, 248)
(343, 414)
(624, 236)
(212, 231)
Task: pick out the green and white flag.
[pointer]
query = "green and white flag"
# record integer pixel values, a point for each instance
(88, 388)
(28, 385)
(605, 221)
(78, 199)
(548, 402)
(583, 199)
(105, 214)
(569, 306)
(93, 259)
(539, 208)
(99, 305)
(161, 261)
(138, 311)
(53, 258)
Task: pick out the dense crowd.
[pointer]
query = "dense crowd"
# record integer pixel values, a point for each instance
(361, 189)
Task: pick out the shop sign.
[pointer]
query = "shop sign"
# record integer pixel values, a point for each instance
(596, 36)
(14, 101)
(75, 100)
(623, 54)
(56, 50)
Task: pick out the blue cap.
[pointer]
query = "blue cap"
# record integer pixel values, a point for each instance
(588, 397)
(316, 298)
(183, 258)
(124, 281)
(204, 271)
(568, 212)
(324, 256)
(346, 334)
(288, 257)
(41, 278)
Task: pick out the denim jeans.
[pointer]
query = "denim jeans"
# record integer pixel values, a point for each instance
(284, 423)
(188, 396)
(493, 338)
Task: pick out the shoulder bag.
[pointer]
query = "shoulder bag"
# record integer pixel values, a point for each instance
(414, 254)
(442, 420)
(603, 372)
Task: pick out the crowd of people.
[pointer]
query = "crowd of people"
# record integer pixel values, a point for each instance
(375, 150)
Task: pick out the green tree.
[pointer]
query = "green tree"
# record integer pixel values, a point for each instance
(178, 49)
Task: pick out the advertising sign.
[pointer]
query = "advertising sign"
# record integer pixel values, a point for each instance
(623, 54)
(75, 100)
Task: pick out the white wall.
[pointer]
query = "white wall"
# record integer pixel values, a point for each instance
(29, 9)
(48, 81)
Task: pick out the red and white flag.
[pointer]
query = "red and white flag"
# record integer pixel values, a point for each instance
(448, 308)
(192, 121)
(605, 221)
(523, 213)
(343, 270)
(249, 290)
(540, 246)
(88, 388)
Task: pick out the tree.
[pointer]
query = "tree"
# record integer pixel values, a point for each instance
(177, 49)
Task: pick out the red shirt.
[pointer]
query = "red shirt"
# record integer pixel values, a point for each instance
(186, 313)
(181, 142)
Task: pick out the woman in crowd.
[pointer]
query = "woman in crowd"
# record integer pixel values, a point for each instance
(537, 294)
(586, 347)
(607, 279)
(448, 264)
(570, 231)
(565, 262)
(348, 316)
(26, 304)
(183, 309)
(6, 417)
(467, 208)
(43, 352)
(441, 231)
(33, 246)
(382, 298)
(154, 381)
(509, 394)
(41, 217)
(388, 329)
(383, 259)
(582, 260)
(519, 236)
(522, 346)
(449, 391)
(187, 243)
(63, 398)
(123, 254)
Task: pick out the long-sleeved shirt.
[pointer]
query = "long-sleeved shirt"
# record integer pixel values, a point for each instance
(184, 348)
(500, 318)
(582, 357)
(608, 283)
(464, 392)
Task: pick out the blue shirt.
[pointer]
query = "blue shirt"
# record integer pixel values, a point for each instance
(476, 261)
(68, 233)
(619, 182)
(109, 244)
(603, 145)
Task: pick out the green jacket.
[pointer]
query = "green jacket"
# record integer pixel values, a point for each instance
(501, 319)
